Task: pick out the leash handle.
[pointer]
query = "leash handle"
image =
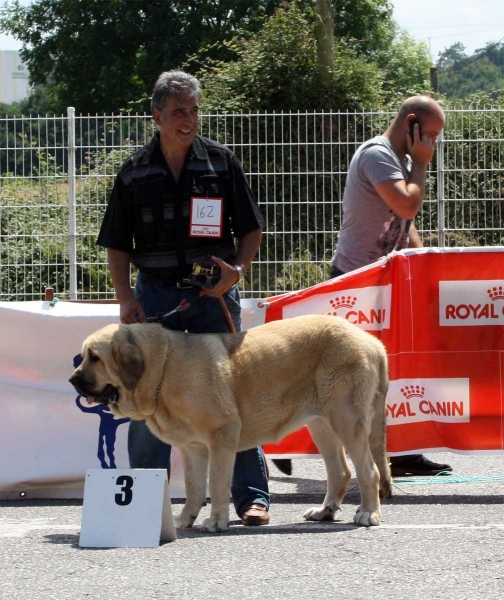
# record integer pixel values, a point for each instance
(185, 304)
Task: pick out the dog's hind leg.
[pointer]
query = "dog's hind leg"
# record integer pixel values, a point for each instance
(377, 440)
(355, 437)
(338, 473)
(377, 436)
(195, 460)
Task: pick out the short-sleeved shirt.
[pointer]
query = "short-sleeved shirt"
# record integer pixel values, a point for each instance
(370, 228)
(149, 212)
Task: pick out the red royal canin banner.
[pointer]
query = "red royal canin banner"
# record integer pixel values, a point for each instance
(440, 314)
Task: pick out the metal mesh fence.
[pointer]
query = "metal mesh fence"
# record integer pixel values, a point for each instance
(56, 175)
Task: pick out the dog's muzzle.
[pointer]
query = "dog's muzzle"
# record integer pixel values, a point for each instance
(109, 394)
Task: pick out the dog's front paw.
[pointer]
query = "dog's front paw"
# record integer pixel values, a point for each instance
(367, 519)
(184, 521)
(321, 513)
(212, 525)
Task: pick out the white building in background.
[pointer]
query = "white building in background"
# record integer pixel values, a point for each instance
(13, 77)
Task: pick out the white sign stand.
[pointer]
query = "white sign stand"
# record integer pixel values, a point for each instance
(126, 508)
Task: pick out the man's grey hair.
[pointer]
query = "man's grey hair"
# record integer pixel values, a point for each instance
(174, 84)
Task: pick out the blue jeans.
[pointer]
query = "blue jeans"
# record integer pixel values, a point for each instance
(250, 482)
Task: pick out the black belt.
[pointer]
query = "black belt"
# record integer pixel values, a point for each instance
(167, 278)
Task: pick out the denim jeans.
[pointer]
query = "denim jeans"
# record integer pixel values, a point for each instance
(250, 482)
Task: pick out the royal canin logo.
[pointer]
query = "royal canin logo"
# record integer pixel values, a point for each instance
(412, 391)
(368, 308)
(344, 307)
(343, 302)
(482, 303)
(496, 293)
(445, 400)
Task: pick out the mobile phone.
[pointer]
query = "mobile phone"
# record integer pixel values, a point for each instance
(413, 122)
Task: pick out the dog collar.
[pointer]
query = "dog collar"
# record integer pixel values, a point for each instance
(158, 388)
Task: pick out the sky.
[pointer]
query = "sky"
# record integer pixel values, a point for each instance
(440, 23)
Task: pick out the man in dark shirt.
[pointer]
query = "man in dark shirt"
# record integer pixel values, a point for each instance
(180, 198)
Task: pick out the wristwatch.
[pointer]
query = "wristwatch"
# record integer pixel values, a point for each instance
(240, 273)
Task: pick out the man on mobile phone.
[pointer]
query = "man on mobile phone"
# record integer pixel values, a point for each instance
(384, 191)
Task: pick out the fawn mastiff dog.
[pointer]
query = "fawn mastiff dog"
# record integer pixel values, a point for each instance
(212, 395)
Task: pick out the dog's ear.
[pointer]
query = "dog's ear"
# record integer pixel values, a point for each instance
(128, 358)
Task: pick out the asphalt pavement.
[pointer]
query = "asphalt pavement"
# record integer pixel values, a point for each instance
(441, 538)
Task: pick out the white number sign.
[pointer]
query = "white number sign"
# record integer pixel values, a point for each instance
(126, 508)
(206, 217)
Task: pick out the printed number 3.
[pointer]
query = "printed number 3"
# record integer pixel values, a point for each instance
(126, 496)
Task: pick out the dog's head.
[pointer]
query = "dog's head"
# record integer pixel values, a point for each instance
(111, 368)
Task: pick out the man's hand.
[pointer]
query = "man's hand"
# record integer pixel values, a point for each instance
(131, 311)
(229, 276)
(420, 148)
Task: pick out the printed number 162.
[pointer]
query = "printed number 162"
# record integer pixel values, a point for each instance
(204, 212)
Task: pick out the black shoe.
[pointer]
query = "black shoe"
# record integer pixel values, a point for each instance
(417, 464)
(283, 464)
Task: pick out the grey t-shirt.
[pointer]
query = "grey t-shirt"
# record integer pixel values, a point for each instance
(370, 228)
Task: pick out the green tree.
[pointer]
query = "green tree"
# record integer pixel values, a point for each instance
(277, 70)
(98, 55)
(104, 55)
(10, 110)
(473, 185)
(461, 75)
(365, 24)
(495, 53)
(478, 76)
(452, 57)
(405, 64)
(40, 101)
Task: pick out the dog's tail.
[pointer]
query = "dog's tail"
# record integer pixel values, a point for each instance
(377, 437)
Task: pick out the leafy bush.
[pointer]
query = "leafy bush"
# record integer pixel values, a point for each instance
(277, 70)
(296, 164)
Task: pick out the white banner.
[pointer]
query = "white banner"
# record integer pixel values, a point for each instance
(50, 436)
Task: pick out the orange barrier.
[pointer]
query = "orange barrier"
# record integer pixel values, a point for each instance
(440, 314)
